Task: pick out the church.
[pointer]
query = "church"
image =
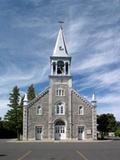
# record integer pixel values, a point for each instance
(60, 112)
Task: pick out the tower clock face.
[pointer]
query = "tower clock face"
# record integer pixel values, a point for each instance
(60, 67)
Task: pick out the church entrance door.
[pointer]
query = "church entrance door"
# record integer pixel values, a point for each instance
(38, 131)
(60, 130)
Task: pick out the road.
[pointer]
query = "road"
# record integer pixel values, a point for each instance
(109, 150)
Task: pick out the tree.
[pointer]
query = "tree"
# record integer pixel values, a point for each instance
(20, 115)
(30, 93)
(111, 122)
(5, 132)
(106, 123)
(117, 129)
(13, 117)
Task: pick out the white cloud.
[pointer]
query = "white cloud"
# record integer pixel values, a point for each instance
(3, 103)
(110, 109)
(75, 36)
(24, 78)
(3, 107)
(109, 78)
(94, 62)
(110, 98)
(92, 36)
(100, 80)
(9, 80)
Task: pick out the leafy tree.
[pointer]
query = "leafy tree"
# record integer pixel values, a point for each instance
(117, 129)
(1, 123)
(106, 123)
(111, 122)
(13, 118)
(30, 93)
(5, 132)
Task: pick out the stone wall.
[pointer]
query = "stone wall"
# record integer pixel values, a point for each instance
(54, 99)
(38, 120)
(81, 120)
(71, 118)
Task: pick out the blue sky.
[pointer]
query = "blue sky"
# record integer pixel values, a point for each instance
(28, 31)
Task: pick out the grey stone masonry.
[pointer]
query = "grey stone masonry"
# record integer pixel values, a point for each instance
(94, 121)
(81, 120)
(31, 119)
(55, 83)
(25, 116)
(47, 99)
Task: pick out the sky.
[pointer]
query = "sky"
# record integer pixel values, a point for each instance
(28, 32)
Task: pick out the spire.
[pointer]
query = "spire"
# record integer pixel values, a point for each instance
(25, 100)
(60, 49)
(94, 99)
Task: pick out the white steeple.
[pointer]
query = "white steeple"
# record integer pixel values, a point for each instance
(60, 49)
(60, 61)
(25, 100)
(93, 97)
(94, 101)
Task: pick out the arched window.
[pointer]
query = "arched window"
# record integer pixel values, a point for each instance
(60, 67)
(54, 67)
(39, 110)
(60, 92)
(81, 110)
(66, 67)
(60, 108)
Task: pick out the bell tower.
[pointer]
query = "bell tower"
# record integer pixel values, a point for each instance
(60, 86)
(60, 61)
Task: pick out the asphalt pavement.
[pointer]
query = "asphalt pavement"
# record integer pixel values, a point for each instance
(105, 150)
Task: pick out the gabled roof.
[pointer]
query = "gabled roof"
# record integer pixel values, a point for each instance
(60, 49)
(38, 97)
(82, 98)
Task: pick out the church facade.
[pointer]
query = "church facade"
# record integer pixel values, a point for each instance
(60, 112)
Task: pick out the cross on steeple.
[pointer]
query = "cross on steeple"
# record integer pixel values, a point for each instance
(60, 49)
(61, 24)
(60, 60)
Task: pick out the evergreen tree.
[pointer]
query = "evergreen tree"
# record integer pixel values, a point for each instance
(20, 115)
(30, 93)
(14, 115)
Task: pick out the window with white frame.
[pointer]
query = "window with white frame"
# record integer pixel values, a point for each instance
(81, 110)
(60, 108)
(39, 110)
(60, 92)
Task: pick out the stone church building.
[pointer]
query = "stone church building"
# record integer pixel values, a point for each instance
(59, 112)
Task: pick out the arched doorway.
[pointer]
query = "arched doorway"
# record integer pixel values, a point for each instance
(60, 130)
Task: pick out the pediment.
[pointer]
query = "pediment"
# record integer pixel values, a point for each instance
(36, 99)
(83, 99)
